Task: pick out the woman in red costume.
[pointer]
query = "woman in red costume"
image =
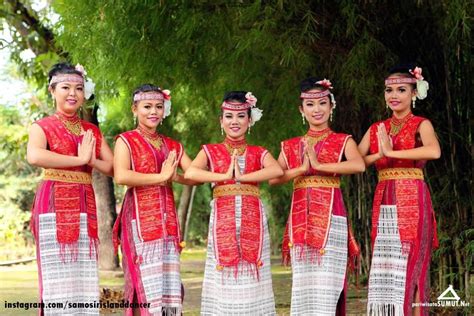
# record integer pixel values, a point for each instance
(64, 219)
(147, 227)
(403, 222)
(317, 239)
(237, 277)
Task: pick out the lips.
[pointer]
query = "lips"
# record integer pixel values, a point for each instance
(71, 101)
(318, 116)
(235, 129)
(394, 103)
(153, 119)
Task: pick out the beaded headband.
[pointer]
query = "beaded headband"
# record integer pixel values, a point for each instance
(398, 80)
(235, 106)
(66, 78)
(316, 95)
(148, 96)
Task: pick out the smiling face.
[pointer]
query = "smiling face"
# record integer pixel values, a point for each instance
(149, 113)
(69, 96)
(235, 123)
(399, 96)
(316, 111)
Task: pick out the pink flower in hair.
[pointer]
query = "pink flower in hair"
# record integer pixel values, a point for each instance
(166, 94)
(416, 73)
(81, 69)
(251, 99)
(325, 83)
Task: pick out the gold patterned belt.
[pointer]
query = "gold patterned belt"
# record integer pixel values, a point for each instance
(235, 189)
(67, 176)
(316, 182)
(400, 173)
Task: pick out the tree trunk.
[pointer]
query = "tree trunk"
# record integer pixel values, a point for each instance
(183, 208)
(106, 215)
(105, 201)
(190, 211)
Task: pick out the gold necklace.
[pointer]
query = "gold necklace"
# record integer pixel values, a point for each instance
(396, 124)
(72, 124)
(153, 138)
(312, 137)
(240, 146)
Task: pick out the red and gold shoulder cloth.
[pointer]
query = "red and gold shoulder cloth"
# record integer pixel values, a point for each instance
(155, 211)
(68, 197)
(312, 205)
(408, 202)
(230, 248)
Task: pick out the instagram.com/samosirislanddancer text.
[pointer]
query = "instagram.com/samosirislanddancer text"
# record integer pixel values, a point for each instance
(73, 305)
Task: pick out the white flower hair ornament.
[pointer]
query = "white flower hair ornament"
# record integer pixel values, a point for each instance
(422, 85)
(167, 102)
(89, 85)
(255, 113)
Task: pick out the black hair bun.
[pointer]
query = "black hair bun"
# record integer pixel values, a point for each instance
(403, 68)
(238, 96)
(310, 83)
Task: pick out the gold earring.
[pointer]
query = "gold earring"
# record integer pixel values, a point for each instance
(413, 99)
(302, 117)
(222, 131)
(134, 120)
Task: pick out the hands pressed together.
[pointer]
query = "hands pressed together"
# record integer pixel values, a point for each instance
(309, 158)
(169, 166)
(86, 149)
(384, 141)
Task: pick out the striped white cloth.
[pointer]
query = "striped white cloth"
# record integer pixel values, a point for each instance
(387, 277)
(225, 294)
(160, 275)
(67, 282)
(317, 286)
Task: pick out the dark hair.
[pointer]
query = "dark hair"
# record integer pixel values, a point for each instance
(62, 68)
(236, 96)
(146, 87)
(404, 70)
(310, 84)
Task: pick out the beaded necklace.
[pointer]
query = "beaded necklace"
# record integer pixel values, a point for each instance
(71, 123)
(396, 124)
(313, 137)
(239, 145)
(151, 137)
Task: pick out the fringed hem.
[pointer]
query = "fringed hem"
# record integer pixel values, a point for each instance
(149, 248)
(314, 255)
(286, 258)
(172, 311)
(243, 268)
(383, 309)
(71, 249)
(94, 247)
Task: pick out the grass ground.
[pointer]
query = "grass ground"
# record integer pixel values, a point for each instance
(19, 283)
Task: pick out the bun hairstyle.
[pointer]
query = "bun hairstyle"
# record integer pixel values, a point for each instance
(236, 96)
(62, 68)
(403, 69)
(311, 83)
(147, 87)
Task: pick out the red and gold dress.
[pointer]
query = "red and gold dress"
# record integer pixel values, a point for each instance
(403, 225)
(237, 277)
(147, 229)
(317, 238)
(64, 224)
